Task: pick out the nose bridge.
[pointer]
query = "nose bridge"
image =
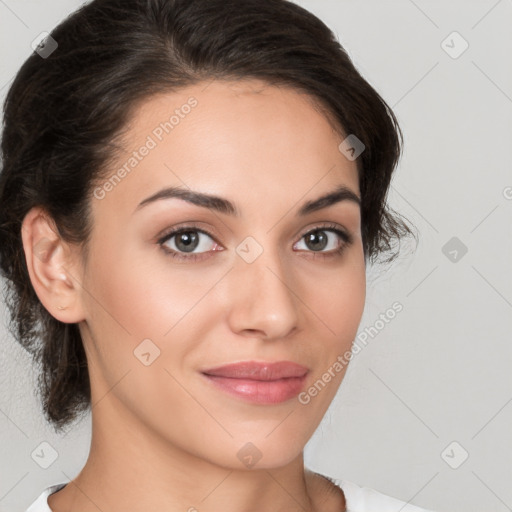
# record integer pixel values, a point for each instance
(262, 298)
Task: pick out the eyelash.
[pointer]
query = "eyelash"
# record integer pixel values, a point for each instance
(347, 241)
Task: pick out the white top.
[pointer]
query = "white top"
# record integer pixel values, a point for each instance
(358, 499)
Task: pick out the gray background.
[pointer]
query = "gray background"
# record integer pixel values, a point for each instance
(439, 372)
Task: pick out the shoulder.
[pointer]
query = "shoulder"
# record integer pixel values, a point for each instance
(366, 499)
(41, 502)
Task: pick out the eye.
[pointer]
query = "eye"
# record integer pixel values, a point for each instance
(181, 242)
(321, 238)
(186, 240)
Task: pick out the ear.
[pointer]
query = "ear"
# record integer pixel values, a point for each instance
(53, 266)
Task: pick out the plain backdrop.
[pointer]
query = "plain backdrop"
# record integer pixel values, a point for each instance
(425, 411)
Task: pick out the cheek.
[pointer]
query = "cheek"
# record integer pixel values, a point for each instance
(337, 296)
(339, 305)
(137, 290)
(139, 319)
(140, 303)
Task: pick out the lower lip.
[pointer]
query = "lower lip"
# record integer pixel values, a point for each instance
(260, 391)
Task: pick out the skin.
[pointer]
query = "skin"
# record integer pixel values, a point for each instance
(163, 438)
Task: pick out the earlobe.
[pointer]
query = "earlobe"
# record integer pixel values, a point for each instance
(50, 267)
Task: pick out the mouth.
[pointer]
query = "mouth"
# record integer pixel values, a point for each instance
(259, 382)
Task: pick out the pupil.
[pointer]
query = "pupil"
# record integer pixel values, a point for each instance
(187, 241)
(317, 240)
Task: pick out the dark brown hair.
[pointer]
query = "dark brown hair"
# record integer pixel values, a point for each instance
(65, 111)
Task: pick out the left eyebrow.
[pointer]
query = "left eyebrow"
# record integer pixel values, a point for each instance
(341, 193)
(222, 205)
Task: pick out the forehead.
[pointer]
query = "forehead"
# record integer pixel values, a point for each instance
(236, 139)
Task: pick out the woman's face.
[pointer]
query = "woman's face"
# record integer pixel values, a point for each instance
(243, 285)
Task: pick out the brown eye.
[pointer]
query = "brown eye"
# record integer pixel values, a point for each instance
(316, 240)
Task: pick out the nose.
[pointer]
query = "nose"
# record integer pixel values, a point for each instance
(263, 302)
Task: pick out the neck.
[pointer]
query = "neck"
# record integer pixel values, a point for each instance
(131, 467)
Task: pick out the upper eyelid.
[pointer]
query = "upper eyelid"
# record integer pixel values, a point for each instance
(167, 234)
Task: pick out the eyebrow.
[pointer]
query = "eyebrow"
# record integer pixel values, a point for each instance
(222, 205)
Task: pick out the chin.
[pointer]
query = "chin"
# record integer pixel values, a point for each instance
(263, 454)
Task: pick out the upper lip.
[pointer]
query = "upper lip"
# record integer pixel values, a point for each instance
(255, 370)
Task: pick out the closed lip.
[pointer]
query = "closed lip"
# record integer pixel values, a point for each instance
(255, 370)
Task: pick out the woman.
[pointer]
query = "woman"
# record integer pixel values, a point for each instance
(191, 190)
